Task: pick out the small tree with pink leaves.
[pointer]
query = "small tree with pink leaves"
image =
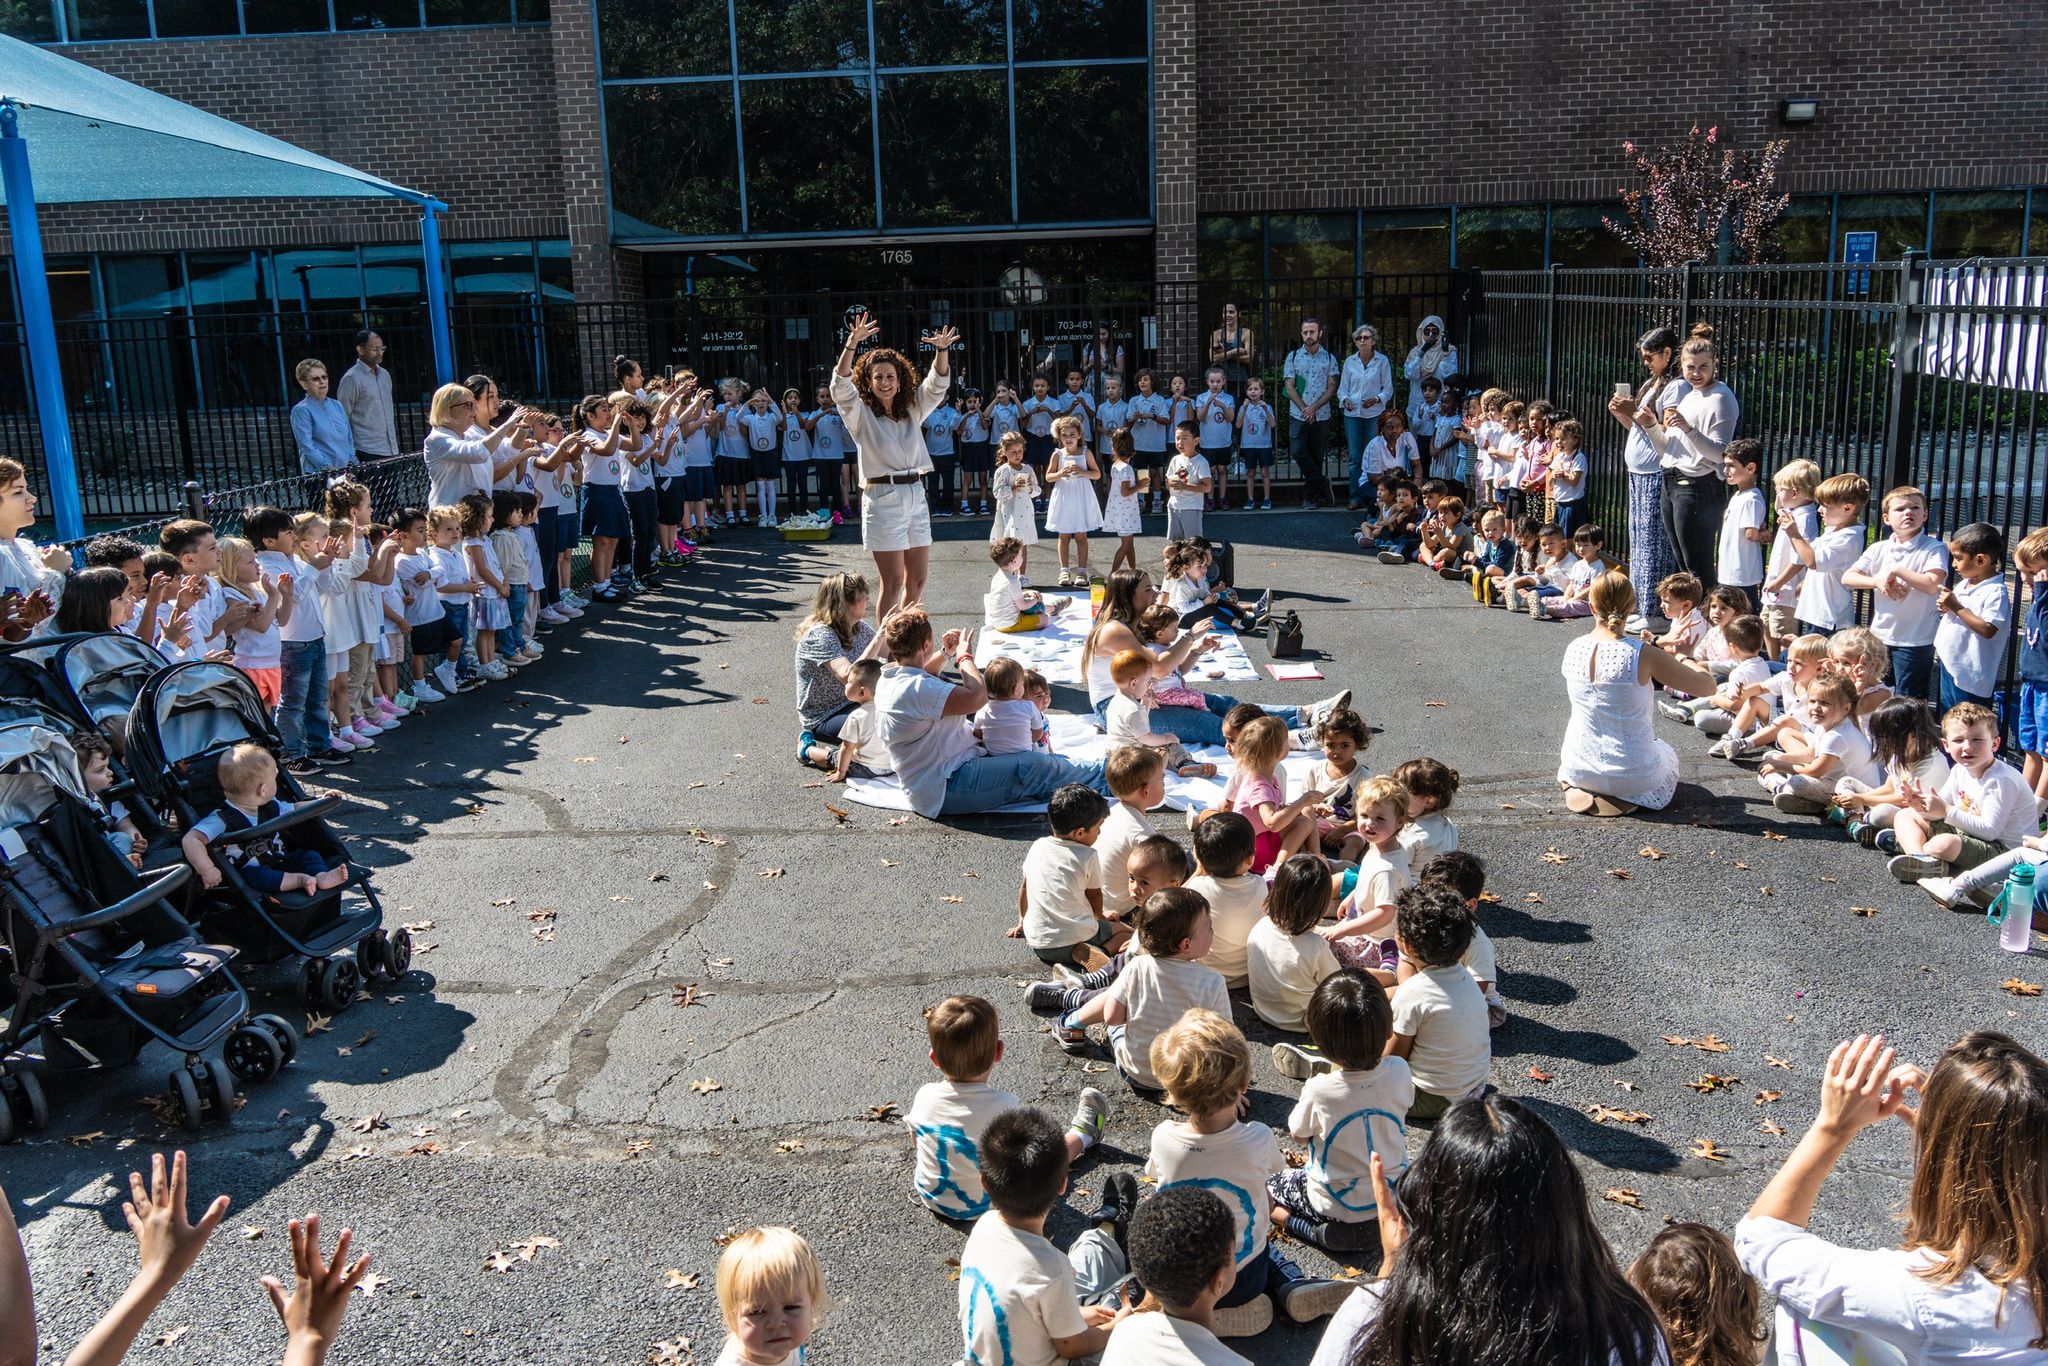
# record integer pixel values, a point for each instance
(1703, 201)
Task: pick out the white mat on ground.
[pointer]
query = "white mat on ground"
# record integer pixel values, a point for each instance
(1076, 738)
(1055, 649)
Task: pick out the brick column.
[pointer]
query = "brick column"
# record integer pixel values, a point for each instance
(1175, 151)
(600, 274)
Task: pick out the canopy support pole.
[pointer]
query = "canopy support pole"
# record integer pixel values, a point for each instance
(39, 326)
(437, 295)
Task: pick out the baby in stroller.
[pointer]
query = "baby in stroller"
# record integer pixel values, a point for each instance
(96, 766)
(248, 783)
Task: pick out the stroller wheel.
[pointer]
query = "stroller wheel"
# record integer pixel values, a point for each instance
(334, 983)
(287, 1041)
(393, 953)
(371, 956)
(220, 1090)
(24, 1095)
(6, 1125)
(253, 1053)
(185, 1095)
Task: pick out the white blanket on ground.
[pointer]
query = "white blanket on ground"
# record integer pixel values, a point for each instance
(1055, 650)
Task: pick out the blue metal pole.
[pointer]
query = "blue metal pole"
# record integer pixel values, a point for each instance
(437, 296)
(32, 285)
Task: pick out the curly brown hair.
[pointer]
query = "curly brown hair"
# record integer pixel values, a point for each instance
(906, 376)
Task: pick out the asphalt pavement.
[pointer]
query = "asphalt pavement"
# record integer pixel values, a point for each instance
(665, 991)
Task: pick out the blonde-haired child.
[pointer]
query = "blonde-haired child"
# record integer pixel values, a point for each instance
(1015, 484)
(259, 648)
(1071, 511)
(1794, 484)
(1128, 718)
(492, 614)
(1279, 827)
(456, 584)
(1371, 890)
(771, 1290)
(1858, 655)
(1787, 733)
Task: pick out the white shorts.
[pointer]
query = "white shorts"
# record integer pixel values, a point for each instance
(337, 663)
(895, 517)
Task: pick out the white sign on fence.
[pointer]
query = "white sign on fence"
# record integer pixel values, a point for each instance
(1985, 325)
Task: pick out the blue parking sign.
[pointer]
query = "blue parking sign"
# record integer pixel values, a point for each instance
(1859, 249)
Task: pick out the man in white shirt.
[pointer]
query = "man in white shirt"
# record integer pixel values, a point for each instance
(1311, 375)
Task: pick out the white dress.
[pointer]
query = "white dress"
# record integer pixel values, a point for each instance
(1071, 509)
(1610, 746)
(1120, 515)
(1014, 487)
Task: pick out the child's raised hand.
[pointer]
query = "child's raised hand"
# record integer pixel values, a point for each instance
(320, 1288)
(161, 585)
(36, 608)
(1393, 1228)
(56, 557)
(166, 1240)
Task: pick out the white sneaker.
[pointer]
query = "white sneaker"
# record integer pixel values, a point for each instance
(427, 692)
(360, 740)
(495, 671)
(444, 675)
(535, 649)
(367, 728)
(551, 617)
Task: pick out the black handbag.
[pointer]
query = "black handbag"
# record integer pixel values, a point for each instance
(1283, 635)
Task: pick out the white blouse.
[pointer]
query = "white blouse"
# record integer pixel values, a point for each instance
(1643, 455)
(1369, 384)
(889, 445)
(1710, 414)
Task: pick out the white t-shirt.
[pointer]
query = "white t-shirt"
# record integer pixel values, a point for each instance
(1823, 599)
(1851, 750)
(1184, 594)
(1284, 971)
(1573, 462)
(1444, 1012)
(1912, 621)
(1879, 1293)
(1217, 413)
(1057, 876)
(1016, 1296)
(1233, 1165)
(946, 1122)
(1346, 1117)
(423, 605)
(1971, 660)
(1479, 960)
(1006, 724)
(1125, 720)
(1236, 905)
(255, 649)
(1155, 993)
(1194, 469)
(1748, 673)
(1426, 836)
(925, 743)
(732, 1354)
(1004, 601)
(1160, 1339)
(1807, 518)
(1742, 560)
(1121, 832)
(1381, 878)
(1998, 807)
(862, 728)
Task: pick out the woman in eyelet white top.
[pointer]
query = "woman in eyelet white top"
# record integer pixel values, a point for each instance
(1612, 760)
(1693, 428)
(1969, 1282)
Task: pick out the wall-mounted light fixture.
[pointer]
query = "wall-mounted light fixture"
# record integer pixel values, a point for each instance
(1798, 111)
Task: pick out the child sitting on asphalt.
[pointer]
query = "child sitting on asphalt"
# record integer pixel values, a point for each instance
(1905, 740)
(1983, 809)
(1439, 1012)
(770, 1292)
(1678, 596)
(1344, 736)
(1206, 1068)
(1542, 572)
(1743, 701)
(1128, 718)
(1804, 657)
(1371, 891)
(948, 1118)
(1805, 785)
(861, 753)
(1446, 539)
(1491, 560)
(1059, 901)
(1466, 876)
(1353, 1098)
(1724, 604)
(1396, 534)
(1156, 987)
(1431, 786)
(1007, 723)
(248, 786)
(1285, 959)
(1181, 1251)
(1574, 579)
(1236, 895)
(1156, 864)
(1137, 776)
(1023, 1302)
(1279, 827)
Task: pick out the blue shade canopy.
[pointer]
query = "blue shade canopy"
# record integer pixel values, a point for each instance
(93, 138)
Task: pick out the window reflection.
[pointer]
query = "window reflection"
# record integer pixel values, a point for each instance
(681, 38)
(359, 14)
(469, 11)
(196, 18)
(945, 150)
(271, 16)
(32, 21)
(1899, 220)
(1082, 146)
(801, 35)
(675, 165)
(1052, 30)
(938, 32)
(1579, 238)
(1311, 245)
(1227, 249)
(1407, 241)
(1803, 229)
(1501, 239)
(1982, 224)
(90, 20)
(810, 158)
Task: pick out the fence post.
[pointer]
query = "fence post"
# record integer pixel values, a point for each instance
(1688, 291)
(195, 501)
(1550, 329)
(1902, 411)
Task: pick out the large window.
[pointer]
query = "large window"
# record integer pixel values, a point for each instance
(1978, 224)
(98, 21)
(1407, 241)
(820, 118)
(1501, 239)
(1899, 220)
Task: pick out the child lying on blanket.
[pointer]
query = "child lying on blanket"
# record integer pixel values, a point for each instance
(1129, 715)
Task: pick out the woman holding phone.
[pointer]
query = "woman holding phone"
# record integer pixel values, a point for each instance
(1231, 346)
(1695, 422)
(1638, 407)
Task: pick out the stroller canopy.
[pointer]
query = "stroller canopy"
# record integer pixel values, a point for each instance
(36, 762)
(191, 709)
(105, 673)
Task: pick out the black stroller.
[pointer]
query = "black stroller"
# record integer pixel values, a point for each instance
(100, 962)
(185, 719)
(100, 676)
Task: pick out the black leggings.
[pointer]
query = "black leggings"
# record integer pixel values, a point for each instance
(1693, 505)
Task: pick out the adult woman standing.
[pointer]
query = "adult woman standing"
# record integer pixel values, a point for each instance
(1691, 431)
(1102, 360)
(925, 723)
(829, 642)
(884, 406)
(1612, 761)
(1649, 545)
(1491, 1254)
(1969, 1281)
(320, 424)
(1432, 357)
(1363, 393)
(1232, 347)
(458, 463)
(1128, 593)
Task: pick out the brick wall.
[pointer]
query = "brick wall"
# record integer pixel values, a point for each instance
(1342, 104)
(449, 112)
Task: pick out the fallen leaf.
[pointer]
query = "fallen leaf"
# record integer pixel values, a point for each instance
(1704, 1147)
(505, 901)
(1349, 1273)
(887, 1110)
(357, 1154)
(1533, 898)
(85, 1140)
(1489, 899)
(584, 759)
(1775, 837)
(1507, 806)
(1551, 855)
(1621, 873)
(1777, 1062)
(704, 838)
(1706, 1043)
(2019, 988)
(1295, 1158)
(1865, 911)
(952, 1268)
(370, 1123)
(1708, 1082)
(1830, 879)
(684, 996)
(622, 898)
(1622, 1195)
(1628, 1086)
(638, 1146)
(425, 1130)
(657, 876)
(1650, 851)
(1433, 702)
(890, 863)
(1741, 866)
(368, 1035)
(771, 872)
(839, 813)
(318, 1024)
(371, 1283)
(251, 1232)
(500, 1262)
(694, 786)
(427, 1149)
(676, 1351)
(1607, 1114)
(528, 1247)
(760, 701)
(1765, 891)
(676, 1279)
(953, 900)
(1538, 1074)
(789, 1145)
(171, 1335)
(1771, 1127)
(970, 873)
(899, 820)
(1766, 1097)
(704, 1086)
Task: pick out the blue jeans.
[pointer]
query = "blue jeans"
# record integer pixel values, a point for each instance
(988, 781)
(1952, 696)
(302, 698)
(1358, 434)
(459, 618)
(1912, 669)
(1192, 727)
(1571, 516)
(512, 639)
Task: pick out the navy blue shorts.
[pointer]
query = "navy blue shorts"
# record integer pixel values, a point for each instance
(605, 508)
(568, 528)
(1257, 458)
(698, 484)
(669, 497)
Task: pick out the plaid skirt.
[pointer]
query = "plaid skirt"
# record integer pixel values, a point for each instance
(1649, 549)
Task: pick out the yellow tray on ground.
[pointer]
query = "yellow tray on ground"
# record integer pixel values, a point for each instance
(809, 533)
